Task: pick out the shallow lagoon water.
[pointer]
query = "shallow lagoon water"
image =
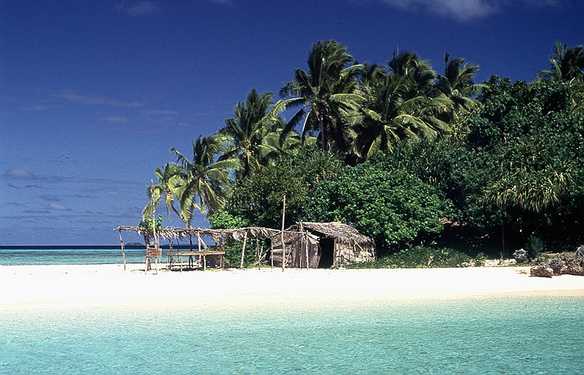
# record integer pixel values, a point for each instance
(62, 256)
(510, 336)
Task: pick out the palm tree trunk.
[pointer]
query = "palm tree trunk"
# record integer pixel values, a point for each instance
(323, 135)
(190, 238)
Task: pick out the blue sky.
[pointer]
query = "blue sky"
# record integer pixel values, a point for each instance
(94, 93)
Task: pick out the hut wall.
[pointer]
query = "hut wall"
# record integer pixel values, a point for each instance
(296, 253)
(344, 252)
(347, 253)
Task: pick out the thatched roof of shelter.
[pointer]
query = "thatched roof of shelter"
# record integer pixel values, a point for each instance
(170, 233)
(339, 231)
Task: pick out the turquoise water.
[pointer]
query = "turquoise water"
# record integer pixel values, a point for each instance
(499, 336)
(47, 256)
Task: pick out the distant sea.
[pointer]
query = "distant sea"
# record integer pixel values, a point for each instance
(59, 255)
(498, 336)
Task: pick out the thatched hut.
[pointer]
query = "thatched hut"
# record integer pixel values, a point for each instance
(325, 245)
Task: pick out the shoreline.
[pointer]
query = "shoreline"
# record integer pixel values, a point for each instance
(108, 286)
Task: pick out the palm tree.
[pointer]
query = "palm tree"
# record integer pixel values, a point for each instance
(457, 83)
(417, 72)
(255, 134)
(168, 181)
(326, 95)
(278, 143)
(566, 64)
(205, 179)
(397, 109)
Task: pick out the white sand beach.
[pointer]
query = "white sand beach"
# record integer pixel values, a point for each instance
(108, 286)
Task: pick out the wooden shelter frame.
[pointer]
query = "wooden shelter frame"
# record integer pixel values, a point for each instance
(220, 237)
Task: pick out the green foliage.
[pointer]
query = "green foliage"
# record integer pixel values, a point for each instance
(167, 185)
(497, 159)
(148, 225)
(392, 206)
(223, 219)
(529, 140)
(205, 179)
(520, 153)
(535, 246)
(566, 63)
(423, 257)
(254, 135)
(326, 96)
(258, 198)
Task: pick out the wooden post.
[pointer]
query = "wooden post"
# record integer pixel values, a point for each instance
(170, 254)
(123, 249)
(334, 253)
(222, 248)
(305, 234)
(243, 250)
(271, 253)
(306, 247)
(282, 234)
(199, 249)
(258, 251)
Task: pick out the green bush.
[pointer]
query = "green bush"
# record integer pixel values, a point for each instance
(423, 257)
(233, 252)
(257, 199)
(535, 246)
(516, 161)
(224, 220)
(148, 225)
(392, 206)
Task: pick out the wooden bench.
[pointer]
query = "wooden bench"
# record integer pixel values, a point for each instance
(201, 255)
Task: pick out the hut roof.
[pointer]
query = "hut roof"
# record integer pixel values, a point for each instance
(339, 231)
(236, 234)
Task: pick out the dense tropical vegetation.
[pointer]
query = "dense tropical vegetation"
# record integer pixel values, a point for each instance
(408, 155)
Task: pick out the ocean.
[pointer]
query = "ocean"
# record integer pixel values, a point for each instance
(484, 336)
(72, 255)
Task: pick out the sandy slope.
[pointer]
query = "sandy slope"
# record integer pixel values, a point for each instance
(31, 287)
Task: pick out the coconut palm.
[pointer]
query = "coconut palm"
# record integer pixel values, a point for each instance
(205, 179)
(278, 143)
(395, 111)
(457, 83)
(566, 64)
(168, 182)
(326, 96)
(254, 135)
(419, 73)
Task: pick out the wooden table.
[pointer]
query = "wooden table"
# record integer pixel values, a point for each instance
(202, 254)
